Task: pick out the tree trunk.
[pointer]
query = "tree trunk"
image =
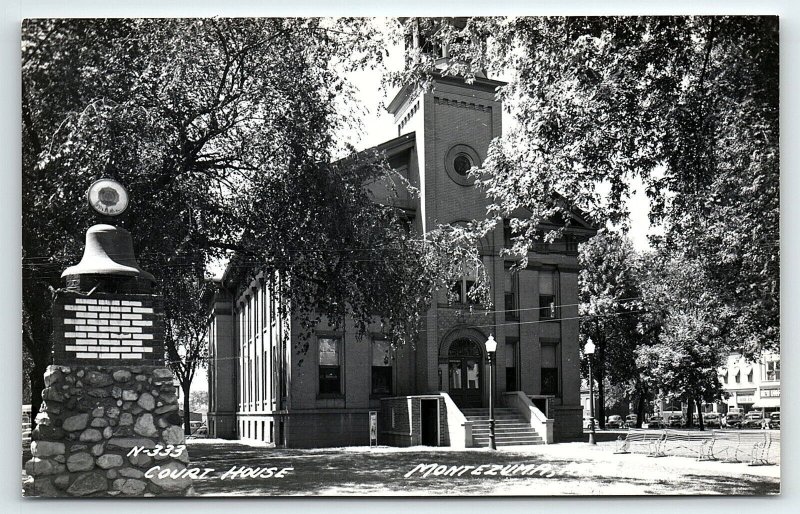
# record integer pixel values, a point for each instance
(187, 416)
(640, 410)
(36, 375)
(690, 413)
(601, 403)
(700, 416)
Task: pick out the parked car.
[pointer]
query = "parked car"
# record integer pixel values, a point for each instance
(587, 423)
(199, 430)
(675, 421)
(775, 420)
(711, 420)
(732, 421)
(656, 422)
(752, 419)
(614, 421)
(630, 420)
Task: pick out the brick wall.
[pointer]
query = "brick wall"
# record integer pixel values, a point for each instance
(108, 328)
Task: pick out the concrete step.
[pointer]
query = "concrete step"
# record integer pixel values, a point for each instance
(485, 412)
(485, 444)
(504, 430)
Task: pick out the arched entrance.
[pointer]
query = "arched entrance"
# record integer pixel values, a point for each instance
(464, 365)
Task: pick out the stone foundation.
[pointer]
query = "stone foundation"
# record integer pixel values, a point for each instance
(91, 419)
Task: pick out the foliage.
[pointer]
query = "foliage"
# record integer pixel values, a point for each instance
(224, 131)
(611, 310)
(688, 105)
(198, 401)
(690, 349)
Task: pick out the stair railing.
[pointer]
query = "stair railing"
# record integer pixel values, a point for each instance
(459, 437)
(539, 422)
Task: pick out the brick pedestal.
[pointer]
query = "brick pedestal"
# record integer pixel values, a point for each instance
(108, 392)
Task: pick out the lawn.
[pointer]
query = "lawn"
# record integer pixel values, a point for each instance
(561, 469)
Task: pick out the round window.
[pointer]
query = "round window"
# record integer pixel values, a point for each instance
(458, 160)
(461, 164)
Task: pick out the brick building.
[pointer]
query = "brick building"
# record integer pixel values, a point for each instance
(434, 393)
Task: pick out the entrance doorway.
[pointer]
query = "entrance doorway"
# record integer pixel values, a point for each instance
(464, 373)
(430, 422)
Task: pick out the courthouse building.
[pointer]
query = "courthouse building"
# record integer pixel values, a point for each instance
(437, 392)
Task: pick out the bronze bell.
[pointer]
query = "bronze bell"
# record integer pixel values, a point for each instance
(108, 254)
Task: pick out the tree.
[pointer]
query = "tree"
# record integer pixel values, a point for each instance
(685, 359)
(224, 131)
(688, 105)
(198, 401)
(185, 329)
(610, 309)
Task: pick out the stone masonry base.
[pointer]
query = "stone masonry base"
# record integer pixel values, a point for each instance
(92, 417)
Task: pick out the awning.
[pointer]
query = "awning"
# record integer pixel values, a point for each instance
(767, 403)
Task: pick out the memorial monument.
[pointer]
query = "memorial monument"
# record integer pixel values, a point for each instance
(109, 423)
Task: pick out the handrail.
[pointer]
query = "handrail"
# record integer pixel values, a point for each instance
(459, 437)
(540, 423)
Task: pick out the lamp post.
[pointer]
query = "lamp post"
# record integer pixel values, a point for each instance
(589, 351)
(491, 347)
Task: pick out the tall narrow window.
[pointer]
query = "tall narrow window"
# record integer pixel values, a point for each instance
(546, 295)
(511, 366)
(381, 368)
(773, 370)
(511, 296)
(460, 289)
(549, 362)
(330, 380)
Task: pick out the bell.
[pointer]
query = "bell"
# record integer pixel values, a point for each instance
(108, 251)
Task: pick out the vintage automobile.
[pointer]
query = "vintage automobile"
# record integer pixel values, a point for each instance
(656, 422)
(732, 421)
(711, 420)
(587, 423)
(614, 421)
(752, 419)
(675, 421)
(775, 420)
(630, 420)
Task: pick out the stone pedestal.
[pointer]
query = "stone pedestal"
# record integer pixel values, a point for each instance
(91, 420)
(110, 410)
(109, 423)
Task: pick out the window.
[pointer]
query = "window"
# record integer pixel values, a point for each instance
(460, 290)
(511, 297)
(750, 375)
(508, 234)
(458, 161)
(462, 164)
(547, 296)
(511, 366)
(546, 306)
(330, 380)
(738, 376)
(381, 367)
(549, 362)
(773, 370)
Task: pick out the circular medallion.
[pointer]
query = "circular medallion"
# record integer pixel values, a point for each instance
(458, 161)
(108, 197)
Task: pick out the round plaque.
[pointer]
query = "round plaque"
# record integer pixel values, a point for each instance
(108, 197)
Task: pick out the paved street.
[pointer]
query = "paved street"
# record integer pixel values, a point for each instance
(568, 468)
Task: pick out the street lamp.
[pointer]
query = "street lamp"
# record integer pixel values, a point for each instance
(491, 347)
(589, 351)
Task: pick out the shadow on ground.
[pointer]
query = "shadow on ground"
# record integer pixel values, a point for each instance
(381, 472)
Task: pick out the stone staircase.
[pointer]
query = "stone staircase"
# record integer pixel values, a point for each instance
(510, 428)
